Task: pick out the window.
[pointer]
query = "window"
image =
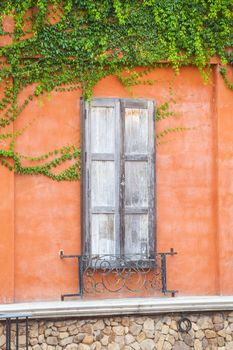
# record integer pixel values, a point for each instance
(118, 177)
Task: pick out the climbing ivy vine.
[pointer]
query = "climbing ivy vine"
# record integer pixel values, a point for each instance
(71, 44)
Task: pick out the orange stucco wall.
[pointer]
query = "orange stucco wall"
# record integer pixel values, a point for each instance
(194, 172)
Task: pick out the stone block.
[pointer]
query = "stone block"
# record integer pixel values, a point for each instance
(229, 346)
(135, 346)
(141, 337)
(222, 333)
(221, 341)
(210, 334)
(83, 347)
(205, 323)
(170, 339)
(118, 330)
(79, 338)
(2, 340)
(159, 345)
(200, 334)
(104, 340)
(125, 321)
(218, 326)
(36, 347)
(129, 339)
(149, 324)
(180, 345)
(96, 346)
(41, 339)
(113, 346)
(99, 325)
(107, 330)
(147, 344)
(87, 328)
(66, 341)
(135, 329)
(63, 335)
(33, 341)
(88, 339)
(218, 318)
(197, 344)
(165, 329)
(52, 341)
(72, 347)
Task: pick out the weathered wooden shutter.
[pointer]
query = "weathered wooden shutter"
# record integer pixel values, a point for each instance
(101, 177)
(137, 177)
(118, 177)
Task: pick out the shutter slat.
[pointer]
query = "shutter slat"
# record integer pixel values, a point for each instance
(136, 130)
(103, 234)
(136, 237)
(102, 130)
(136, 184)
(103, 183)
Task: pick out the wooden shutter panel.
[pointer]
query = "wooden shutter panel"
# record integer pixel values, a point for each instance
(101, 185)
(137, 179)
(118, 177)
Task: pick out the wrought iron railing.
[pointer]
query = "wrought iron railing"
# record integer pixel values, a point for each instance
(15, 325)
(114, 273)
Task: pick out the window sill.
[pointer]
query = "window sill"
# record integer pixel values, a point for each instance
(129, 306)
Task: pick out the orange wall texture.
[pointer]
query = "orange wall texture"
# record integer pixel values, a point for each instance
(194, 172)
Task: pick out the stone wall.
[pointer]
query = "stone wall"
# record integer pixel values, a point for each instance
(209, 331)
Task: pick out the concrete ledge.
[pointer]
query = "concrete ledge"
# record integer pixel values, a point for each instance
(129, 306)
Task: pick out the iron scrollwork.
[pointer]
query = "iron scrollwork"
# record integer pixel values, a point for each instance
(115, 273)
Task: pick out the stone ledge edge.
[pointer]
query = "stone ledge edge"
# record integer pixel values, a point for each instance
(123, 306)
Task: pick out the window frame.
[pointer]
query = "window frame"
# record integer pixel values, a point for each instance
(120, 105)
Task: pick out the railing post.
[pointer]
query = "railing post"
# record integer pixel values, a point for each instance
(164, 272)
(8, 334)
(80, 275)
(26, 330)
(17, 333)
